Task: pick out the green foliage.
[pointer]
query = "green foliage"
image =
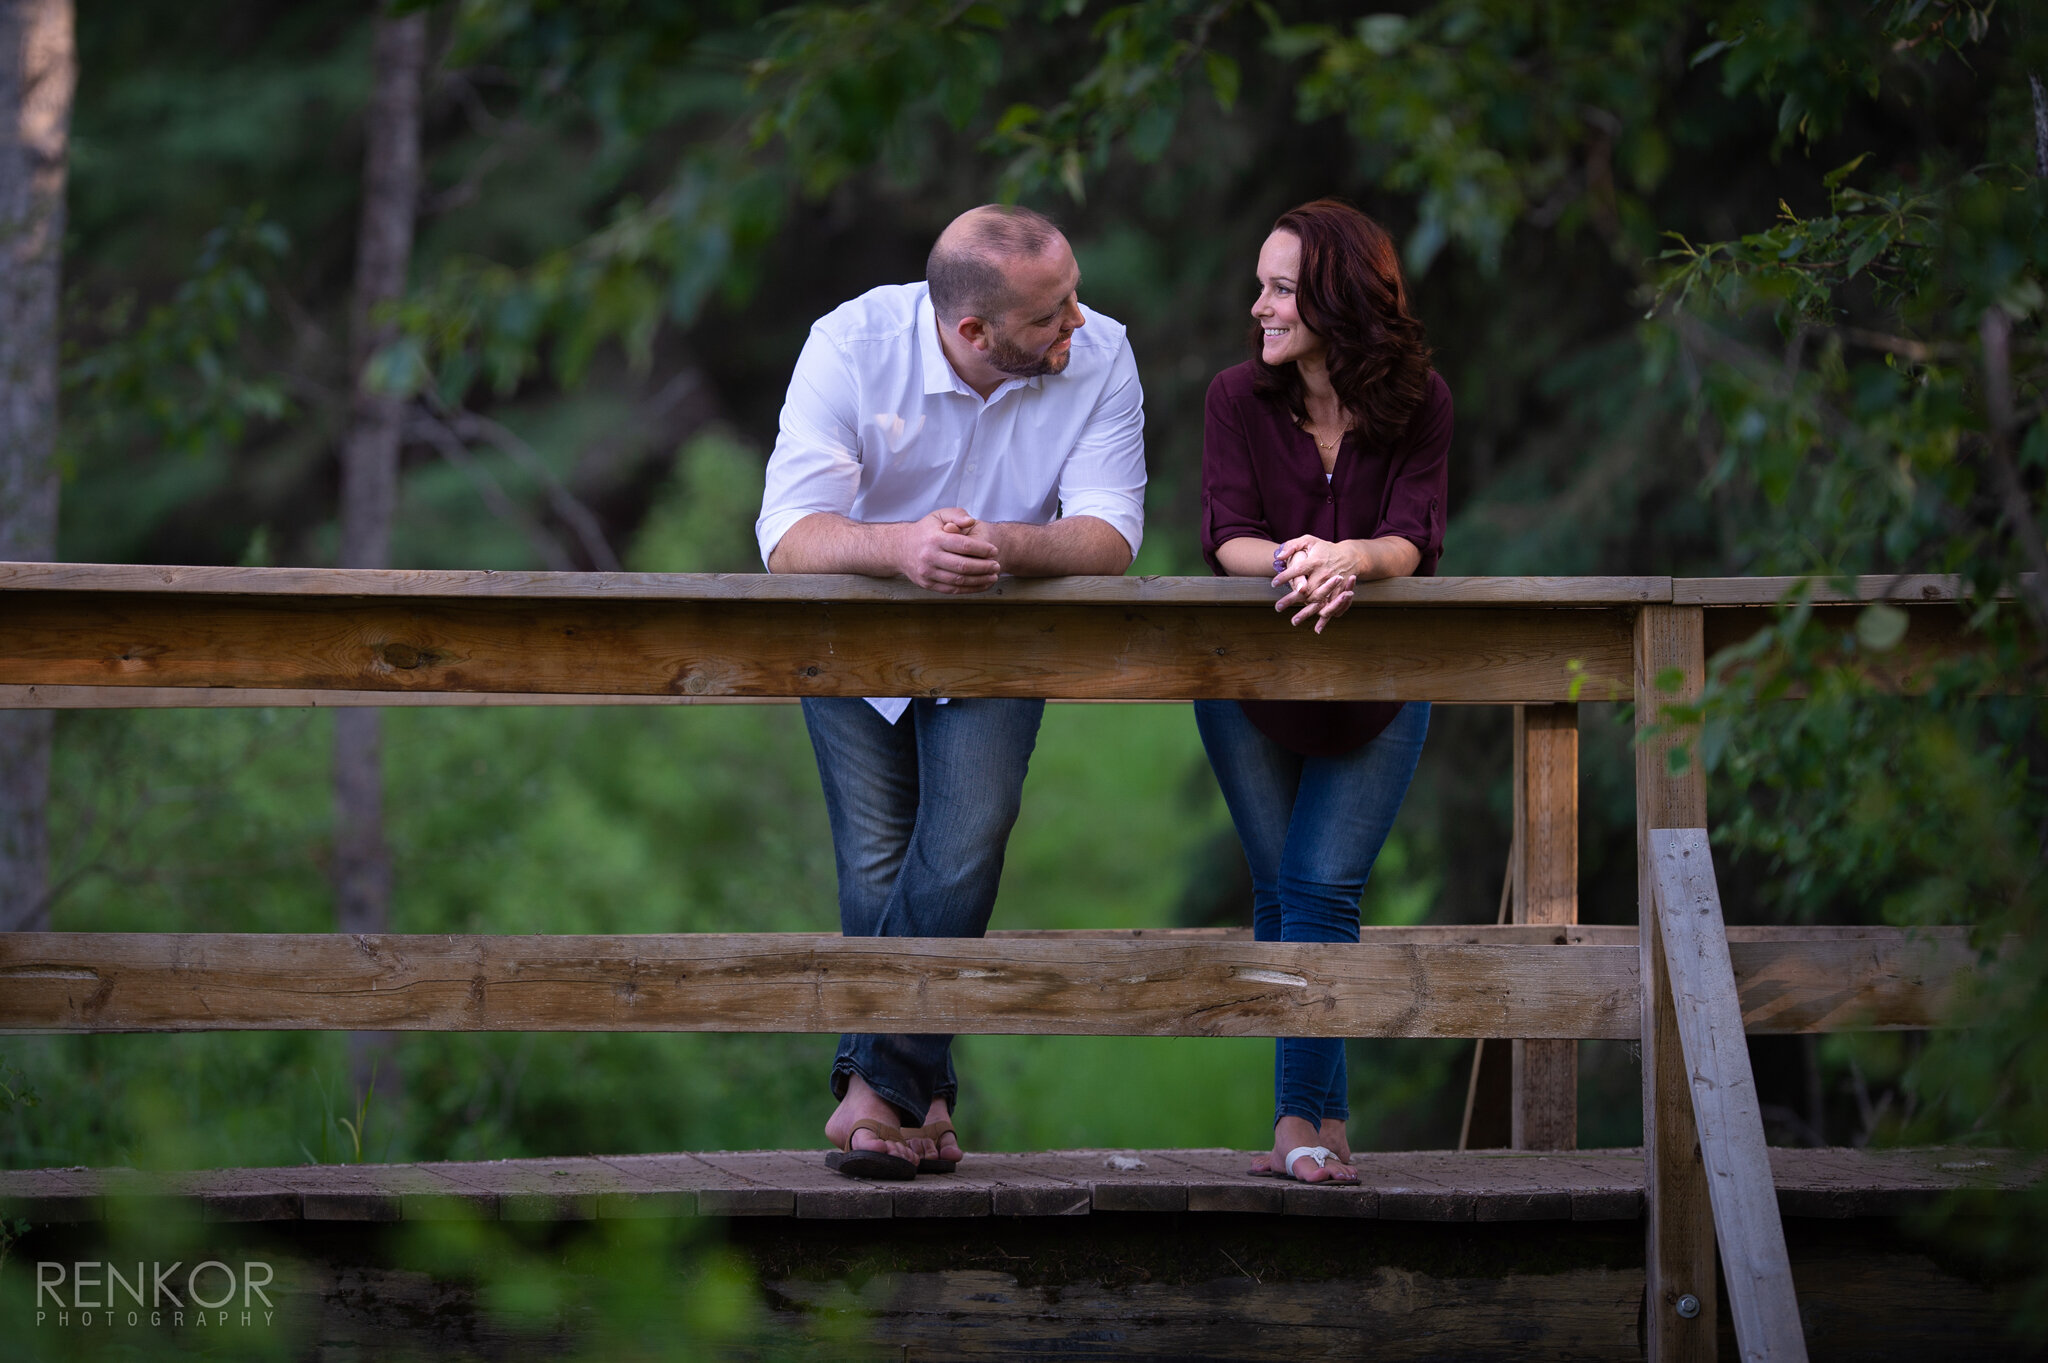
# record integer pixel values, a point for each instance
(1927, 457)
(841, 84)
(1490, 112)
(1147, 55)
(172, 377)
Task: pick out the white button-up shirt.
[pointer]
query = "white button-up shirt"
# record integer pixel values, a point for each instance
(877, 427)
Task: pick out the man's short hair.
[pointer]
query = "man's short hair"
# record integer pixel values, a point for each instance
(965, 268)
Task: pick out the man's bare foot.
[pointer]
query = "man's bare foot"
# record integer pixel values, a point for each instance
(947, 1147)
(1330, 1135)
(862, 1103)
(1290, 1133)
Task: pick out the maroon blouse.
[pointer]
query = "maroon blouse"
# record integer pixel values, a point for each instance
(1263, 477)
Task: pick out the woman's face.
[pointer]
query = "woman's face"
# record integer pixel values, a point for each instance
(1286, 337)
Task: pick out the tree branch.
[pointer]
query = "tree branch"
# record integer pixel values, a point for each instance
(2040, 126)
(1995, 331)
(565, 504)
(437, 433)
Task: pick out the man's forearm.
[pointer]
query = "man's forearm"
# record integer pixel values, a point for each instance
(1074, 545)
(823, 542)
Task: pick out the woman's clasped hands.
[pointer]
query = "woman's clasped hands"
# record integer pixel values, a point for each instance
(1319, 577)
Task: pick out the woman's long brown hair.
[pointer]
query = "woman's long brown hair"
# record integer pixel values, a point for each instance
(1350, 293)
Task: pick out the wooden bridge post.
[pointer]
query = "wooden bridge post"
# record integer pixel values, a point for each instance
(1670, 668)
(1544, 1107)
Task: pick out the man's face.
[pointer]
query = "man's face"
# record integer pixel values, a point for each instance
(1036, 335)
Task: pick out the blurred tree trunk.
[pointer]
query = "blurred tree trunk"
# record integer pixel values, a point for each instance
(369, 476)
(38, 71)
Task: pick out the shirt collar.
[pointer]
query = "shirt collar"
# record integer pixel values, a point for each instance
(938, 370)
(939, 374)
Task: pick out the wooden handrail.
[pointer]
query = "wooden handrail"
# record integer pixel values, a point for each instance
(1563, 592)
(1397, 982)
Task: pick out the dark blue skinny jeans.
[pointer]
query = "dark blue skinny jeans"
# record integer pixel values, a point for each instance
(1311, 828)
(921, 811)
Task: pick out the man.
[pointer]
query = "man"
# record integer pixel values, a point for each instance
(980, 423)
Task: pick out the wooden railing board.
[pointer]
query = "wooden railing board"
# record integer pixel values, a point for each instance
(1727, 1113)
(794, 983)
(792, 587)
(715, 648)
(1440, 982)
(1936, 635)
(1900, 589)
(258, 698)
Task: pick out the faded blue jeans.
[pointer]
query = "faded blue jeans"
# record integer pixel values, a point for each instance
(921, 811)
(1311, 828)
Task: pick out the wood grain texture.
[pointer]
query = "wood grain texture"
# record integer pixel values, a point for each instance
(1398, 982)
(1489, 1186)
(1544, 1075)
(1726, 1111)
(472, 583)
(746, 983)
(716, 648)
(1670, 647)
(1901, 588)
(1935, 634)
(257, 698)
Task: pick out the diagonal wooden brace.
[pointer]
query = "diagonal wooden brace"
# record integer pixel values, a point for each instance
(1724, 1102)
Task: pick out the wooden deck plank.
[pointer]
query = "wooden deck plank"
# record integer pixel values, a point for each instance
(1025, 1185)
(812, 1190)
(715, 1191)
(539, 1189)
(1218, 1181)
(1430, 1185)
(1726, 1111)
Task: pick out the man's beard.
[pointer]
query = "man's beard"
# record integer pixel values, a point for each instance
(1007, 357)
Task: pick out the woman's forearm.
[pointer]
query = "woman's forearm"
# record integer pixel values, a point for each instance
(1247, 556)
(1388, 556)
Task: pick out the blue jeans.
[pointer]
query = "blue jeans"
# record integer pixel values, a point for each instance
(921, 811)
(1311, 828)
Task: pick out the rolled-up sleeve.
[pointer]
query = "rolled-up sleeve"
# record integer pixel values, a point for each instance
(1232, 505)
(1420, 483)
(816, 463)
(1104, 476)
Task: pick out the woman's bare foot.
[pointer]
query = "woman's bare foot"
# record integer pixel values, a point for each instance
(1330, 1135)
(1292, 1133)
(862, 1103)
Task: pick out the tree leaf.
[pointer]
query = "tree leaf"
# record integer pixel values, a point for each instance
(1880, 627)
(1225, 78)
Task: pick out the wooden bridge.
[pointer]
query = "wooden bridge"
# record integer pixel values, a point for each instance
(1682, 984)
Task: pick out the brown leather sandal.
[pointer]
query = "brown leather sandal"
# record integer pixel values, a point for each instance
(932, 1164)
(875, 1164)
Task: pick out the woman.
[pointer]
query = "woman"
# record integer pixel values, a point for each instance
(1323, 463)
